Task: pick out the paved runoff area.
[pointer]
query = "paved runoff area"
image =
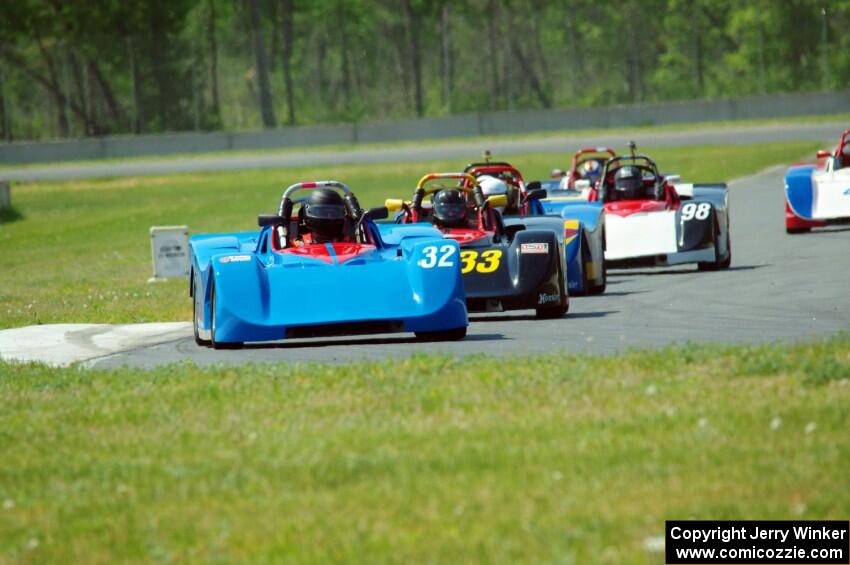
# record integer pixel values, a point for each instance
(780, 288)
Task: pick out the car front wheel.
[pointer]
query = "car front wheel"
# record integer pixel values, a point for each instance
(219, 344)
(197, 311)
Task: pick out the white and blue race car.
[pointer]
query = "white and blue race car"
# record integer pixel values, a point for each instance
(817, 195)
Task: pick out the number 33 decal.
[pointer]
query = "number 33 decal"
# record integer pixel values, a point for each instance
(699, 211)
(489, 261)
(432, 260)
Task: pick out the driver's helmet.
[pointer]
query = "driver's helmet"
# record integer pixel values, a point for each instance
(628, 181)
(492, 186)
(846, 149)
(590, 170)
(449, 208)
(324, 214)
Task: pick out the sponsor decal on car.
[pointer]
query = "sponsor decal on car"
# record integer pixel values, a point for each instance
(534, 248)
(570, 231)
(548, 298)
(235, 259)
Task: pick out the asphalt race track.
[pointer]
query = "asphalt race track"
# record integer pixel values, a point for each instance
(461, 149)
(780, 287)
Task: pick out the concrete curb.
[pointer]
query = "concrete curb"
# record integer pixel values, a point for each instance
(61, 345)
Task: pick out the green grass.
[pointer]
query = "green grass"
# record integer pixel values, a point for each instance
(563, 458)
(483, 140)
(80, 251)
(558, 459)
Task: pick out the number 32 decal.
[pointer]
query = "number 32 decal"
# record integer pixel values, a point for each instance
(434, 258)
(488, 262)
(699, 211)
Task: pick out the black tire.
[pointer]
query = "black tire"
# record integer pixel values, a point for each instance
(552, 313)
(728, 261)
(198, 339)
(219, 344)
(445, 335)
(794, 231)
(558, 311)
(600, 288)
(719, 265)
(586, 284)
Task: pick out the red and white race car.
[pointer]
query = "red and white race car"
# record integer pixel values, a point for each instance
(819, 194)
(652, 220)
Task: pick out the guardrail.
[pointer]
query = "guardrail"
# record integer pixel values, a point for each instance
(464, 125)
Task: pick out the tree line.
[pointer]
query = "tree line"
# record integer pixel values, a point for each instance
(71, 68)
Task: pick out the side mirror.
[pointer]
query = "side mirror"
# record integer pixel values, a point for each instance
(264, 220)
(558, 174)
(394, 204)
(582, 184)
(532, 185)
(497, 200)
(536, 194)
(380, 213)
(822, 154)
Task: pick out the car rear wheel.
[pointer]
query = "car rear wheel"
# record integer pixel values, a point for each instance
(599, 288)
(197, 309)
(588, 284)
(557, 310)
(445, 335)
(728, 261)
(722, 264)
(219, 344)
(797, 230)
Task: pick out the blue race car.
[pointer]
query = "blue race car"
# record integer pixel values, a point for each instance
(324, 270)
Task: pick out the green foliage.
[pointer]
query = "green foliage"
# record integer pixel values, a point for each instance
(561, 458)
(91, 68)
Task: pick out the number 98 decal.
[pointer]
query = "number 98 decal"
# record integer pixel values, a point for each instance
(692, 211)
(437, 258)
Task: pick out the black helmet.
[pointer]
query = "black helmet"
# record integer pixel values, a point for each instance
(628, 181)
(450, 208)
(324, 213)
